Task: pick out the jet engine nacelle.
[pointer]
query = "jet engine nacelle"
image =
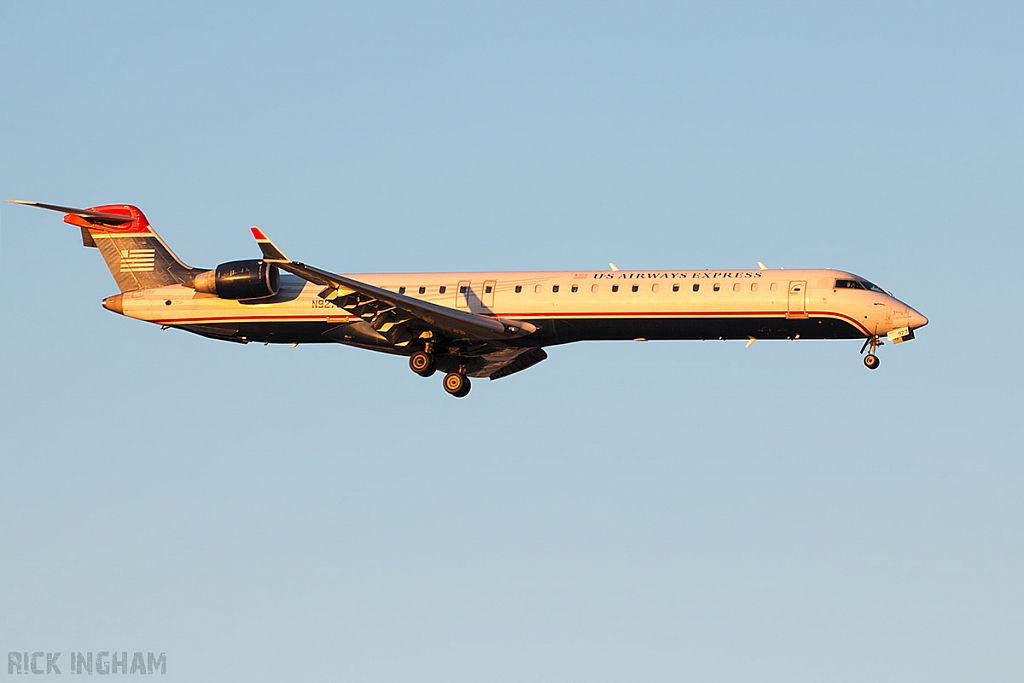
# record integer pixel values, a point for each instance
(252, 279)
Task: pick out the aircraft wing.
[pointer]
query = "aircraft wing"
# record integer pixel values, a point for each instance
(388, 314)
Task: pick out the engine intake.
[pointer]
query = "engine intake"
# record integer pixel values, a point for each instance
(253, 279)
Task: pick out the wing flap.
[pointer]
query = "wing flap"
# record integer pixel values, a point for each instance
(508, 361)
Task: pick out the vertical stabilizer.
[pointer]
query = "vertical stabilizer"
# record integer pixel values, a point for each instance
(135, 254)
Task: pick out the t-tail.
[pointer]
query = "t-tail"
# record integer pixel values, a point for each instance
(135, 254)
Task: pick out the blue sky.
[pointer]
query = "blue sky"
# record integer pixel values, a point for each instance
(622, 511)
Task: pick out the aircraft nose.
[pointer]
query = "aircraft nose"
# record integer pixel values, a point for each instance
(916, 319)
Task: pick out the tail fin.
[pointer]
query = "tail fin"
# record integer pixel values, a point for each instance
(135, 254)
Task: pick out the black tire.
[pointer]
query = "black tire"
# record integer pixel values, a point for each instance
(465, 389)
(422, 363)
(456, 384)
(871, 361)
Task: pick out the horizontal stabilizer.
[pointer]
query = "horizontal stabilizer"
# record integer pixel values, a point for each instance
(91, 216)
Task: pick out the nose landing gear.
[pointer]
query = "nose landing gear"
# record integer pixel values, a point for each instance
(871, 361)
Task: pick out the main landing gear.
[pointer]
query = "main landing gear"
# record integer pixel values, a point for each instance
(455, 383)
(422, 363)
(871, 360)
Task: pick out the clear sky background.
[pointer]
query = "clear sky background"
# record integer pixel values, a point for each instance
(622, 511)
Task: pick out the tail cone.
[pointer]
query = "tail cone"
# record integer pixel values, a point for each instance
(113, 303)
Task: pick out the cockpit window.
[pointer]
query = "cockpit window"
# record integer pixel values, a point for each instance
(873, 288)
(859, 284)
(848, 284)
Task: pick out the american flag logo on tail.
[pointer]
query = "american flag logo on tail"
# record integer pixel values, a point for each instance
(137, 260)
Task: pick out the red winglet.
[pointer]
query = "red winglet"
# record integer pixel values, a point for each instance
(269, 249)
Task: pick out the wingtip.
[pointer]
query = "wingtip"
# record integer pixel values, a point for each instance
(271, 254)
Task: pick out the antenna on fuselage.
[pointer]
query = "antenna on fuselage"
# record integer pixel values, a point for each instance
(613, 266)
(762, 266)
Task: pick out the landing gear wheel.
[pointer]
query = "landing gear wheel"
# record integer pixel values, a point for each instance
(456, 384)
(422, 363)
(870, 344)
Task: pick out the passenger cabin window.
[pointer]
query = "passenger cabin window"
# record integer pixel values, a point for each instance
(423, 290)
(593, 288)
(675, 288)
(401, 290)
(615, 288)
(554, 288)
(654, 287)
(536, 289)
(717, 287)
(440, 290)
(696, 288)
(736, 287)
(636, 288)
(462, 289)
(753, 287)
(488, 289)
(519, 288)
(775, 286)
(575, 288)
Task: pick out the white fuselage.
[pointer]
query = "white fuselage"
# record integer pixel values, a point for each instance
(567, 305)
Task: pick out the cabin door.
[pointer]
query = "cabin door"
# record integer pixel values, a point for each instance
(797, 306)
(476, 296)
(463, 295)
(487, 297)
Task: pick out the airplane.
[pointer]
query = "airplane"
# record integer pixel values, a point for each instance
(476, 324)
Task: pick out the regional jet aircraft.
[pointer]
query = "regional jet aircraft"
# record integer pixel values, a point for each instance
(476, 324)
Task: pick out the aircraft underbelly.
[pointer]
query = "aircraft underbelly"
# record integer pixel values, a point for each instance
(566, 330)
(560, 331)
